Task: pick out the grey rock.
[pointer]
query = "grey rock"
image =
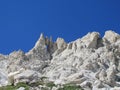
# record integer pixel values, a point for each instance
(91, 61)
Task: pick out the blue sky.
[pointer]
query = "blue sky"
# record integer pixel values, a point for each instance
(22, 21)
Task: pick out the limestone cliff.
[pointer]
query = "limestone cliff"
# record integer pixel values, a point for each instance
(91, 62)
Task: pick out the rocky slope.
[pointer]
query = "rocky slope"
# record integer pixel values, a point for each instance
(91, 62)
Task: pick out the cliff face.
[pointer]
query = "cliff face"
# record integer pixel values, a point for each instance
(91, 62)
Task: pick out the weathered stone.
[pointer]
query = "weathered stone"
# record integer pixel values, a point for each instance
(27, 76)
(90, 39)
(111, 36)
(91, 61)
(61, 43)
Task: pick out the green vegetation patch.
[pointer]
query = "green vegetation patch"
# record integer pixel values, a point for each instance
(7, 88)
(11, 87)
(50, 84)
(70, 87)
(22, 85)
(37, 83)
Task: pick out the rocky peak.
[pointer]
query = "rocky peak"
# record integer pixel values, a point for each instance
(43, 49)
(40, 42)
(61, 43)
(17, 55)
(90, 40)
(111, 36)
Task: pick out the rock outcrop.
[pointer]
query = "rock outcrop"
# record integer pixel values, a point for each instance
(90, 40)
(27, 76)
(111, 36)
(91, 62)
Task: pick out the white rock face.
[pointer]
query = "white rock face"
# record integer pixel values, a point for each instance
(61, 43)
(111, 36)
(91, 62)
(90, 39)
(27, 76)
(3, 78)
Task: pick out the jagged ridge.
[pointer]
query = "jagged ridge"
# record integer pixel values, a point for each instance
(91, 62)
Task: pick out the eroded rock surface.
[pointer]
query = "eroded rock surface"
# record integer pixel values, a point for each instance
(92, 62)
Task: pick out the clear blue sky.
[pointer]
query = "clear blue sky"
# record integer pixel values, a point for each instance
(21, 21)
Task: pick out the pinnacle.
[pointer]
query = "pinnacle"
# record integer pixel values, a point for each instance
(42, 36)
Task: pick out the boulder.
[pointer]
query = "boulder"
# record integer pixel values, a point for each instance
(12, 75)
(27, 76)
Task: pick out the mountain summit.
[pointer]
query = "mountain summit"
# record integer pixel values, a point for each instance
(91, 62)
